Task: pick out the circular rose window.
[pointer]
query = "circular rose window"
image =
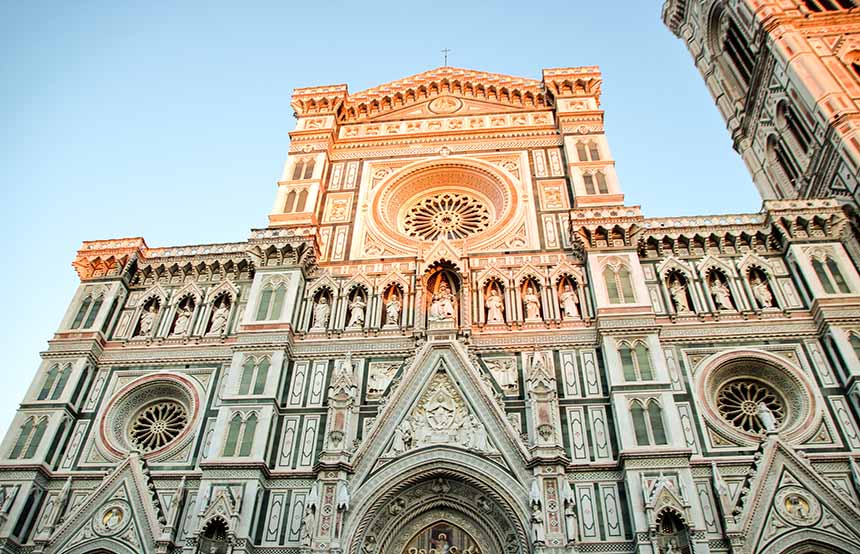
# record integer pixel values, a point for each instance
(154, 415)
(739, 401)
(744, 392)
(156, 425)
(447, 215)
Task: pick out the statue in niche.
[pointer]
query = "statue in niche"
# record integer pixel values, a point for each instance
(356, 311)
(569, 301)
(495, 307)
(678, 292)
(570, 515)
(219, 318)
(442, 305)
(392, 311)
(504, 371)
(721, 294)
(307, 526)
(761, 290)
(766, 417)
(532, 302)
(322, 311)
(537, 524)
(183, 317)
(147, 319)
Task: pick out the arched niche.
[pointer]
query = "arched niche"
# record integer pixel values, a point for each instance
(442, 290)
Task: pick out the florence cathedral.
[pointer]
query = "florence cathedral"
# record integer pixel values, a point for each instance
(454, 336)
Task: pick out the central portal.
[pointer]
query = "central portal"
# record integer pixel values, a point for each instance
(442, 538)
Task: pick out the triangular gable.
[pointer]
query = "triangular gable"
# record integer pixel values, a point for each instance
(120, 510)
(441, 365)
(445, 90)
(787, 494)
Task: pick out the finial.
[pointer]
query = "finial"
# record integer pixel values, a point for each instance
(445, 52)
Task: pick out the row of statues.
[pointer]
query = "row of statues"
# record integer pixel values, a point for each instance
(357, 312)
(182, 319)
(720, 293)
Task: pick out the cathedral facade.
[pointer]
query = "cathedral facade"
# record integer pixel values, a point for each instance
(452, 337)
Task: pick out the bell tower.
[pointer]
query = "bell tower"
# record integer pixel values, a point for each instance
(785, 76)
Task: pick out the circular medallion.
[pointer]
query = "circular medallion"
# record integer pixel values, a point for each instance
(797, 506)
(445, 105)
(112, 519)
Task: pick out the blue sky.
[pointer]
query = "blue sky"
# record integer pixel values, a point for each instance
(170, 120)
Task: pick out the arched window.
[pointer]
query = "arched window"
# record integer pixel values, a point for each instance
(302, 200)
(87, 312)
(248, 435)
(271, 302)
(254, 372)
(23, 439)
(55, 382)
(581, 152)
(213, 539)
(247, 376)
(787, 117)
(29, 438)
(636, 362)
(829, 275)
(737, 48)
(290, 203)
(309, 169)
(588, 179)
(655, 418)
(233, 431)
(619, 287)
(640, 425)
(648, 423)
(601, 182)
(593, 151)
(783, 158)
(298, 168)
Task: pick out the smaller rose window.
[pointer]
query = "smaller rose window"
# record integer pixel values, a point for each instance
(738, 402)
(158, 424)
(447, 215)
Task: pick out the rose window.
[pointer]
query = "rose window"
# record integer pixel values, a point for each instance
(738, 403)
(447, 215)
(157, 425)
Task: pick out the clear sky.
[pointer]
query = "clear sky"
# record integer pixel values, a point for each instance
(169, 120)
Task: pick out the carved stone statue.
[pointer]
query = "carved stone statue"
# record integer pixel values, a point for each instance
(569, 301)
(761, 291)
(402, 440)
(678, 292)
(532, 302)
(219, 320)
(356, 312)
(183, 320)
(765, 416)
(570, 520)
(479, 440)
(721, 294)
(322, 311)
(442, 305)
(538, 534)
(505, 372)
(147, 320)
(495, 307)
(307, 526)
(392, 311)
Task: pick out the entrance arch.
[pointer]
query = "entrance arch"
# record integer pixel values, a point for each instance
(439, 486)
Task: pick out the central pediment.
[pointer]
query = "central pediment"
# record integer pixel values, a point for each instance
(445, 91)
